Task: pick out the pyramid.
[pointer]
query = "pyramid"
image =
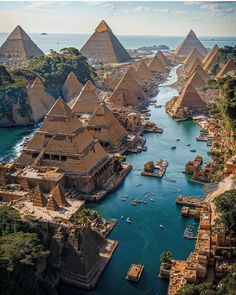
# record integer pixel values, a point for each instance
(38, 198)
(39, 100)
(128, 92)
(190, 99)
(111, 131)
(88, 100)
(156, 65)
(192, 56)
(214, 49)
(189, 43)
(144, 72)
(229, 66)
(71, 87)
(196, 80)
(162, 57)
(19, 45)
(211, 61)
(202, 73)
(59, 196)
(135, 75)
(104, 46)
(196, 62)
(52, 204)
(60, 120)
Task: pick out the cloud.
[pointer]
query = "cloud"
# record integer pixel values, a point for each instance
(195, 19)
(216, 8)
(146, 9)
(44, 5)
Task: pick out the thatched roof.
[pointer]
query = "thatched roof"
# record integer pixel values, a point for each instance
(71, 87)
(189, 43)
(19, 45)
(228, 67)
(87, 101)
(128, 92)
(39, 99)
(144, 72)
(104, 46)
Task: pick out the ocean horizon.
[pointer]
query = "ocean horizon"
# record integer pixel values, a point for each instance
(57, 41)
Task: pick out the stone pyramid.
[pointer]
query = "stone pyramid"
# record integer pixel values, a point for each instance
(52, 204)
(38, 198)
(59, 196)
(104, 46)
(135, 75)
(144, 72)
(111, 131)
(196, 62)
(19, 45)
(196, 80)
(189, 43)
(211, 62)
(190, 99)
(39, 99)
(192, 56)
(202, 73)
(228, 67)
(156, 65)
(163, 58)
(214, 49)
(88, 100)
(71, 87)
(128, 92)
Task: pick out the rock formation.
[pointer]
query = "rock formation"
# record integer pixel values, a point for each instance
(104, 46)
(189, 43)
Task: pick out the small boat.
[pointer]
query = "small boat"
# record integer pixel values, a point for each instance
(128, 220)
(178, 139)
(161, 226)
(123, 199)
(144, 202)
(126, 196)
(173, 147)
(152, 199)
(122, 217)
(43, 34)
(188, 144)
(193, 151)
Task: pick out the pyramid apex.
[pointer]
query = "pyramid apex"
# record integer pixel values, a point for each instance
(102, 27)
(191, 33)
(89, 86)
(100, 109)
(37, 83)
(72, 75)
(18, 34)
(60, 108)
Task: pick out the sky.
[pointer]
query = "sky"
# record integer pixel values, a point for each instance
(124, 17)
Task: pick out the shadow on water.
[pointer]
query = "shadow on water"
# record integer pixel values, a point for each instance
(144, 240)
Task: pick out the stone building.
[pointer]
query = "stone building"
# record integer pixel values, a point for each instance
(104, 46)
(189, 43)
(63, 142)
(71, 87)
(19, 46)
(104, 126)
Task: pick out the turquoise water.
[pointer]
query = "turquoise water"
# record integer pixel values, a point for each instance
(58, 41)
(143, 241)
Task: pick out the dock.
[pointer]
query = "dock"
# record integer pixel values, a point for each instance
(195, 201)
(135, 272)
(161, 166)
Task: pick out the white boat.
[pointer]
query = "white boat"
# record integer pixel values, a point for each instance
(152, 199)
(123, 199)
(122, 217)
(178, 139)
(128, 220)
(161, 226)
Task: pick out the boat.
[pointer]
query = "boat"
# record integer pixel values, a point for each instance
(161, 226)
(134, 273)
(144, 202)
(152, 199)
(128, 220)
(43, 34)
(193, 151)
(173, 147)
(122, 217)
(178, 139)
(123, 199)
(188, 144)
(126, 196)
(158, 106)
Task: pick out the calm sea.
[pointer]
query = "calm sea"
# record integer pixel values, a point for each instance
(58, 41)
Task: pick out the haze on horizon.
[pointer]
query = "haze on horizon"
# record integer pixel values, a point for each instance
(124, 18)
